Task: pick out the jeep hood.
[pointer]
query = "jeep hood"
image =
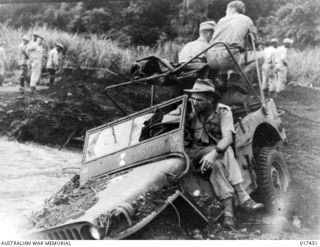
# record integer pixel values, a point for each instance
(123, 196)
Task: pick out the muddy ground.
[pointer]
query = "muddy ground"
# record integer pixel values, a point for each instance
(60, 115)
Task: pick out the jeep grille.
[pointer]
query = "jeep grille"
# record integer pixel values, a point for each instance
(67, 232)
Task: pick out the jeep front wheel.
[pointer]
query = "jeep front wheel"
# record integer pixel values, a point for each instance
(272, 176)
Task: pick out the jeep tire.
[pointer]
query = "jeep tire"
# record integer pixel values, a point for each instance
(272, 176)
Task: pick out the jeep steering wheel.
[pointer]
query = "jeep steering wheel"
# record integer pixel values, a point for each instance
(160, 128)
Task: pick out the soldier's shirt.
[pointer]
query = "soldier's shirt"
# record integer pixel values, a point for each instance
(281, 55)
(2, 60)
(269, 55)
(218, 125)
(35, 51)
(233, 29)
(54, 59)
(2, 54)
(22, 56)
(191, 49)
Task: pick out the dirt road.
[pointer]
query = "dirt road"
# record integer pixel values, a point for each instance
(302, 152)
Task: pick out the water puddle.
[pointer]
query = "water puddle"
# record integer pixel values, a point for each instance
(30, 173)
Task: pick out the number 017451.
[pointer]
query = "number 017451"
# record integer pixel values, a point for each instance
(308, 243)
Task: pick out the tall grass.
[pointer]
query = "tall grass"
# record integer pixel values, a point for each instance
(304, 67)
(95, 52)
(83, 51)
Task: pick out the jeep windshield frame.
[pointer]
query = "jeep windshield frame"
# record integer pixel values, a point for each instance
(111, 128)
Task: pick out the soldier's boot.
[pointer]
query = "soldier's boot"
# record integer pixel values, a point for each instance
(21, 88)
(51, 80)
(245, 200)
(28, 81)
(1, 80)
(228, 220)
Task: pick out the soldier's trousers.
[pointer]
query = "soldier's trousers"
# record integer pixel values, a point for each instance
(52, 73)
(225, 173)
(281, 76)
(221, 60)
(2, 71)
(268, 77)
(23, 74)
(36, 67)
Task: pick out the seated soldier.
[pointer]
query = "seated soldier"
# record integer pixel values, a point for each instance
(233, 30)
(212, 129)
(193, 48)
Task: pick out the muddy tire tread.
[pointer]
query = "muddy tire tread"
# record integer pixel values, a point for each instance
(266, 191)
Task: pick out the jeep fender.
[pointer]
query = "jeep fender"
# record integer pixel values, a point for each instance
(121, 192)
(259, 129)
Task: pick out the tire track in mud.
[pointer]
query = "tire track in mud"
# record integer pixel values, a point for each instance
(302, 153)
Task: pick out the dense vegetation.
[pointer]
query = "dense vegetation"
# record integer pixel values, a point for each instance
(149, 22)
(115, 34)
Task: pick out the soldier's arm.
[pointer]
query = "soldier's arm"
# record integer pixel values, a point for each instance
(173, 116)
(29, 49)
(227, 129)
(284, 58)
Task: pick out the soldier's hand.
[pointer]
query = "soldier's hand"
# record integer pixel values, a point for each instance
(207, 161)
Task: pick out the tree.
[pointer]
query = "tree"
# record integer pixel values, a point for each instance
(298, 19)
(145, 21)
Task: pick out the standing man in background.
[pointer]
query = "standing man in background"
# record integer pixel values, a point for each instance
(23, 62)
(268, 74)
(281, 65)
(54, 61)
(191, 49)
(35, 53)
(2, 61)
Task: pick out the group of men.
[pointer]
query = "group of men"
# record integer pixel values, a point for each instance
(237, 31)
(211, 123)
(275, 67)
(30, 60)
(233, 30)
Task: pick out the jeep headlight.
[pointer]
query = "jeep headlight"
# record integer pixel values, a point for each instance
(94, 232)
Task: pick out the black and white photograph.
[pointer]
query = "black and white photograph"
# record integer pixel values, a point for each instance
(159, 120)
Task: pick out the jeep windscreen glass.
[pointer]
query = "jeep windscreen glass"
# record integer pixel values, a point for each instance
(131, 132)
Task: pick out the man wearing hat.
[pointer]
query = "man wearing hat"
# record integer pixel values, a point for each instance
(268, 75)
(54, 61)
(35, 52)
(23, 61)
(211, 127)
(2, 61)
(281, 65)
(191, 49)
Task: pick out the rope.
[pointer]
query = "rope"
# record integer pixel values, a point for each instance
(177, 212)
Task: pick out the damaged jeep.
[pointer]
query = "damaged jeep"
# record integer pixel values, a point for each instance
(136, 168)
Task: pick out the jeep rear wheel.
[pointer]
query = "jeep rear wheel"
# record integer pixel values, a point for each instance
(272, 176)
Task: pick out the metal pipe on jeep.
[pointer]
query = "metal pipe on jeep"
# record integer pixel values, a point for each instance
(233, 59)
(257, 68)
(173, 71)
